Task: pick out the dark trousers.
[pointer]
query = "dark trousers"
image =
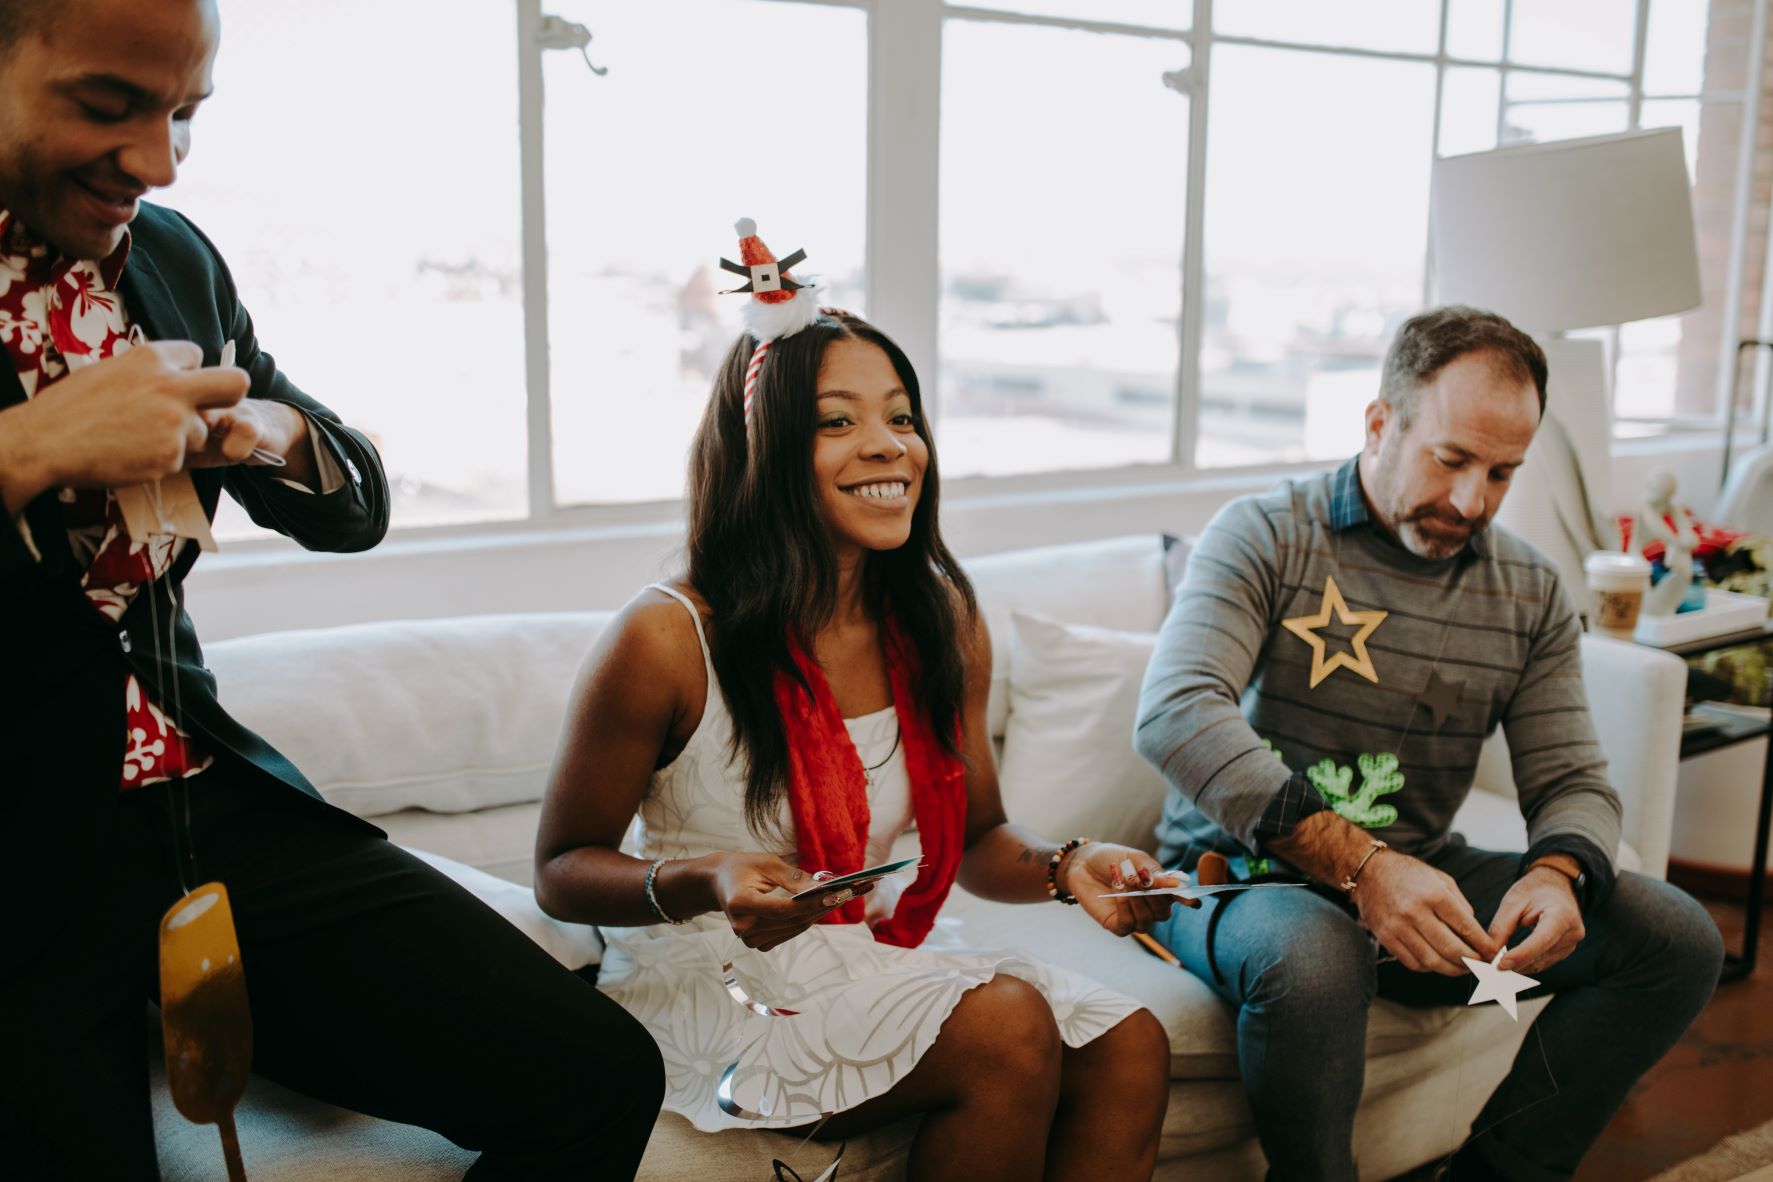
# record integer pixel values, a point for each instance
(1301, 972)
(376, 984)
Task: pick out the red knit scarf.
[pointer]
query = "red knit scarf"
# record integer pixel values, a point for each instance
(828, 792)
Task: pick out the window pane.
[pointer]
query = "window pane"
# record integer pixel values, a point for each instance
(1674, 51)
(1544, 122)
(1558, 107)
(1528, 85)
(1405, 26)
(1316, 227)
(1644, 379)
(1474, 30)
(1061, 227)
(1574, 34)
(648, 168)
(1681, 113)
(1469, 101)
(1156, 14)
(385, 279)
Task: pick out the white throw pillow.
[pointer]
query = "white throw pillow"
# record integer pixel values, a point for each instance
(452, 716)
(1069, 768)
(574, 945)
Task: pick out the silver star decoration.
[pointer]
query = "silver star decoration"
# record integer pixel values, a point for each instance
(1496, 984)
(1440, 696)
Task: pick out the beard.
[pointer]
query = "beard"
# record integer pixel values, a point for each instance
(47, 202)
(1433, 530)
(1436, 532)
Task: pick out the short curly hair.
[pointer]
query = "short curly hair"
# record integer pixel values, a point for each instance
(1430, 341)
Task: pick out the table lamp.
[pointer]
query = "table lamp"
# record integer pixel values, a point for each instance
(1556, 237)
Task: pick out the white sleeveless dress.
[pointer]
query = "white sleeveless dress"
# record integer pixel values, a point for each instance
(867, 1011)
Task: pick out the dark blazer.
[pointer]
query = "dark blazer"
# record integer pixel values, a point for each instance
(63, 665)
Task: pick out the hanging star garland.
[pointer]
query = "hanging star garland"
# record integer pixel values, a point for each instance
(1323, 664)
(1497, 984)
(1440, 696)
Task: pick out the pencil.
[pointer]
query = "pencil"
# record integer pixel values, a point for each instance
(1156, 949)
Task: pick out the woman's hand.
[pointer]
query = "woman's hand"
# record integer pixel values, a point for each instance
(1099, 869)
(755, 892)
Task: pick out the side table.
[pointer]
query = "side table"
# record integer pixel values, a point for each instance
(1728, 734)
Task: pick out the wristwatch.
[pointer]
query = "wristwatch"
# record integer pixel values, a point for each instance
(1348, 884)
(1578, 881)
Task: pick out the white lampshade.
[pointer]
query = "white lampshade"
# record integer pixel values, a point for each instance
(1568, 235)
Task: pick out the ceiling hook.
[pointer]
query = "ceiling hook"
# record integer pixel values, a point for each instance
(559, 33)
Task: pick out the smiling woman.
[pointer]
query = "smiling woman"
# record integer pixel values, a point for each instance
(868, 449)
(813, 688)
(770, 546)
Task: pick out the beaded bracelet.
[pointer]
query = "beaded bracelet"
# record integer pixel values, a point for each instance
(652, 900)
(1053, 891)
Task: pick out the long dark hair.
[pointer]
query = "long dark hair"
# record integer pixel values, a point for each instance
(761, 556)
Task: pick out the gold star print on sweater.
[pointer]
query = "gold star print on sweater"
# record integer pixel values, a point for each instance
(1322, 665)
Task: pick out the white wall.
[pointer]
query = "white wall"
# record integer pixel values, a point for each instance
(263, 590)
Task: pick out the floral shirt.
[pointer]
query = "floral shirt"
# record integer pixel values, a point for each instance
(57, 315)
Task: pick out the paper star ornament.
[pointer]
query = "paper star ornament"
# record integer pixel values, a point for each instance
(1497, 985)
(1323, 664)
(1441, 697)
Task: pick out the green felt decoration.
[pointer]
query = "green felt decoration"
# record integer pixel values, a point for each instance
(1379, 777)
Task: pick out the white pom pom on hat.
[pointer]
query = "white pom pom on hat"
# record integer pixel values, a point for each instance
(771, 315)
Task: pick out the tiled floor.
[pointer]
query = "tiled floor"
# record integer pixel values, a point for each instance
(1717, 1081)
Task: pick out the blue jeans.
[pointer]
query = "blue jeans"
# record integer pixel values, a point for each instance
(1301, 972)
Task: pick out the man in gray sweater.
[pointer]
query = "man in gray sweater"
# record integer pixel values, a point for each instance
(1337, 653)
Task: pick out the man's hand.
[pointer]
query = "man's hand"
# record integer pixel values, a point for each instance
(1417, 912)
(1420, 916)
(253, 423)
(1545, 900)
(126, 420)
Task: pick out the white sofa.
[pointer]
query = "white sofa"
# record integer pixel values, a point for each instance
(442, 731)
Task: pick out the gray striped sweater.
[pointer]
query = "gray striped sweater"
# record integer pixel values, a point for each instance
(1228, 689)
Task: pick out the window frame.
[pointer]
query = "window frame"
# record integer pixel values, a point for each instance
(903, 119)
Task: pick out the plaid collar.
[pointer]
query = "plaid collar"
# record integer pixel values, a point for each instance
(1348, 506)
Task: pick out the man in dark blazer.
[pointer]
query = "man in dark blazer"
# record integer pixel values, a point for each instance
(375, 982)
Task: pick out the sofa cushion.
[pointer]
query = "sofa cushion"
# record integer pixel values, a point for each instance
(1117, 583)
(1069, 767)
(574, 945)
(449, 715)
(500, 841)
(1176, 552)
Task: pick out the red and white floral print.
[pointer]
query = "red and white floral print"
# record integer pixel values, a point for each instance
(56, 314)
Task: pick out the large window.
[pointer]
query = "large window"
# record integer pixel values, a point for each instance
(1116, 236)
(1061, 227)
(1314, 245)
(370, 213)
(1321, 121)
(712, 110)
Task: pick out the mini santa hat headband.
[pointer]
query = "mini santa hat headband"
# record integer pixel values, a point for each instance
(780, 305)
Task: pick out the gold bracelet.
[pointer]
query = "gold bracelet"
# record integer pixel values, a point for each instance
(1348, 884)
